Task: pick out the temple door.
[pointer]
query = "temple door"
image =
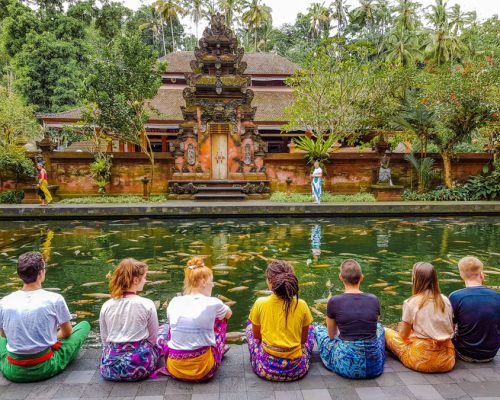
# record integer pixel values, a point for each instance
(219, 156)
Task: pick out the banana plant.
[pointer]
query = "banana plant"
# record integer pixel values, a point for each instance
(316, 148)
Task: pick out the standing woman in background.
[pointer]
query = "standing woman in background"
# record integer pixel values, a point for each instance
(129, 326)
(317, 182)
(423, 342)
(43, 185)
(279, 331)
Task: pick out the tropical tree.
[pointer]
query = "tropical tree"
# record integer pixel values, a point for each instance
(171, 10)
(122, 79)
(463, 99)
(363, 16)
(229, 8)
(400, 47)
(256, 15)
(339, 12)
(406, 15)
(152, 21)
(319, 19)
(194, 8)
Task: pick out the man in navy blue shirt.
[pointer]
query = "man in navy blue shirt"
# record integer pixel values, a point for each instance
(476, 313)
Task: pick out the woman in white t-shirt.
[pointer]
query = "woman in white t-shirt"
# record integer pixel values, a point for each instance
(194, 341)
(129, 326)
(317, 182)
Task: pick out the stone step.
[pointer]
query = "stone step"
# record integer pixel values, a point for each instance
(218, 189)
(220, 196)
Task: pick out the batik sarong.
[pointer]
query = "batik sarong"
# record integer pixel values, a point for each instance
(422, 355)
(56, 359)
(279, 369)
(316, 188)
(129, 361)
(44, 188)
(356, 359)
(197, 365)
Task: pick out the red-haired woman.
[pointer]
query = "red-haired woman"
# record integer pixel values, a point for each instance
(423, 342)
(279, 332)
(194, 341)
(129, 326)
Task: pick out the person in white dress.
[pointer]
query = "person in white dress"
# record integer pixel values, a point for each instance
(317, 182)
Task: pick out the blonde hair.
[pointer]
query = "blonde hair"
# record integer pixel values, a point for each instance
(470, 267)
(426, 285)
(124, 274)
(195, 272)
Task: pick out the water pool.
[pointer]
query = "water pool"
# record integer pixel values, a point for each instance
(82, 253)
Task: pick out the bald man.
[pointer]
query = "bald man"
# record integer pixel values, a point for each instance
(476, 313)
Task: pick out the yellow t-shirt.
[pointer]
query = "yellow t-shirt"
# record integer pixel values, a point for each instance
(268, 312)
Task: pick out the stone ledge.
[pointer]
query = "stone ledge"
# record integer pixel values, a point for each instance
(251, 208)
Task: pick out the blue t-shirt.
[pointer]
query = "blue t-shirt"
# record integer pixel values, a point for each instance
(476, 311)
(356, 315)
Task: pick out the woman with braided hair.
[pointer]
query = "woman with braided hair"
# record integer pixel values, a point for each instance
(279, 331)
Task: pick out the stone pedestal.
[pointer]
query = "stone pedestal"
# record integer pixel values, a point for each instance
(387, 192)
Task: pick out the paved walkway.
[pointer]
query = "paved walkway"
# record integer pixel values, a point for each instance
(235, 380)
(249, 208)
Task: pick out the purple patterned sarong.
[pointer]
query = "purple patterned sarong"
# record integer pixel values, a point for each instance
(217, 350)
(278, 369)
(131, 361)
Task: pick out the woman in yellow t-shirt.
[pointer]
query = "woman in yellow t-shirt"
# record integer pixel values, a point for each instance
(279, 331)
(423, 342)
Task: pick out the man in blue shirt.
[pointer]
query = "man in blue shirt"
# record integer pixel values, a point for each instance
(476, 313)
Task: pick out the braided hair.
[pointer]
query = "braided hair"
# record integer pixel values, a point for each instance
(284, 283)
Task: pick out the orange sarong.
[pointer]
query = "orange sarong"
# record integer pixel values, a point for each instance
(422, 355)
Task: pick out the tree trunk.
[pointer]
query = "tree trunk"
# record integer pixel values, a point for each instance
(163, 39)
(172, 33)
(255, 39)
(447, 169)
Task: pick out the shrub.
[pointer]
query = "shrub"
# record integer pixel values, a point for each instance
(326, 197)
(11, 197)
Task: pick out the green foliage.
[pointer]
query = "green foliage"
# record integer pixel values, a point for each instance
(11, 197)
(100, 170)
(424, 167)
(15, 164)
(317, 149)
(111, 20)
(326, 197)
(122, 199)
(20, 22)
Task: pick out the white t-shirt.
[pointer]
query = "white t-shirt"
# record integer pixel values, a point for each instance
(128, 319)
(192, 319)
(317, 172)
(30, 320)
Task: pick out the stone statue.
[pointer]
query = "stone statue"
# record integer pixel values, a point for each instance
(191, 154)
(384, 173)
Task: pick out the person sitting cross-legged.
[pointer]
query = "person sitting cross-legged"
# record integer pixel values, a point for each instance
(194, 341)
(279, 331)
(476, 313)
(129, 326)
(423, 342)
(37, 340)
(352, 343)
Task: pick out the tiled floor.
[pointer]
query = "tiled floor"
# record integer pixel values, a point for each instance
(236, 381)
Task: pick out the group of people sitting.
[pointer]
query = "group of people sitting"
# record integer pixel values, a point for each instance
(37, 340)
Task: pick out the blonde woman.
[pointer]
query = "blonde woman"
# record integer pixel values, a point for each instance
(129, 326)
(194, 341)
(423, 342)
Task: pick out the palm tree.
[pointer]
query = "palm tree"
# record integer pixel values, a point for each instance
(400, 47)
(154, 23)
(383, 15)
(195, 10)
(256, 16)
(364, 15)
(319, 19)
(339, 14)
(229, 8)
(406, 15)
(170, 10)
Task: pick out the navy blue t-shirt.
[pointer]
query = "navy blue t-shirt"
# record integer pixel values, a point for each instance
(356, 315)
(476, 311)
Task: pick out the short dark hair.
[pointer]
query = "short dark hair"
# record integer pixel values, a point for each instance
(351, 271)
(29, 265)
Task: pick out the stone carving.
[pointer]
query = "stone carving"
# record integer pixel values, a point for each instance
(255, 188)
(384, 173)
(188, 188)
(191, 154)
(247, 154)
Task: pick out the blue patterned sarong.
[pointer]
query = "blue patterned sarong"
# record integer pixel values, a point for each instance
(358, 359)
(316, 188)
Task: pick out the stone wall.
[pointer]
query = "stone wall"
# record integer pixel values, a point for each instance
(345, 172)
